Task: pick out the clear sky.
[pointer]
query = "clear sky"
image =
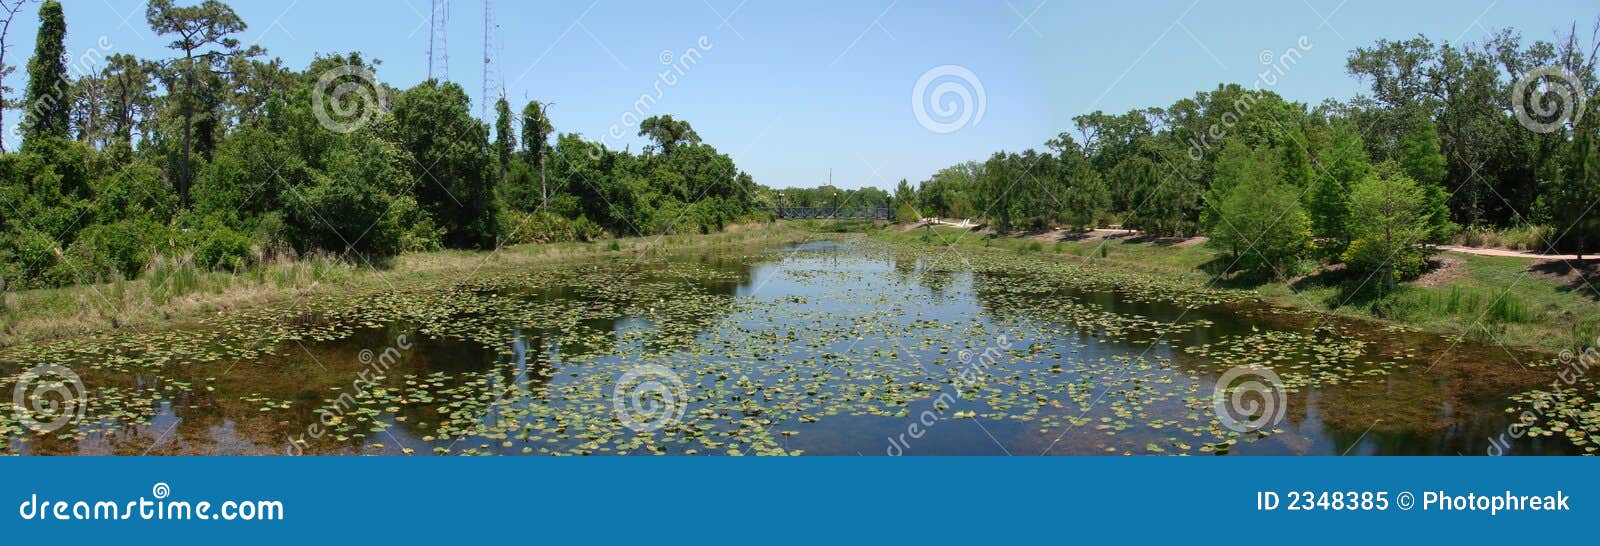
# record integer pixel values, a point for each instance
(794, 89)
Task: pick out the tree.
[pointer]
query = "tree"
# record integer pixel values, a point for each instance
(1343, 161)
(256, 83)
(1236, 165)
(197, 30)
(1389, 224)
(536, 130)
(505, 141)
(48, 107)
(904, 195)
(128, 93)
(1569, 190)
(1261, 222)
(1083, 195)
(453, 163)
(1421, 159)
(668, 134)
(1296, 163)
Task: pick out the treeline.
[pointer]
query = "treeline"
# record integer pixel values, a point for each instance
(217, 158)
(1449, 137)
(827, 196)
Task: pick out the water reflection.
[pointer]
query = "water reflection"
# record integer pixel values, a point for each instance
(828, 340)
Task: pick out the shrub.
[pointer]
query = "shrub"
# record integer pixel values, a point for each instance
(215, 245)
(122, 248)
(906, 215)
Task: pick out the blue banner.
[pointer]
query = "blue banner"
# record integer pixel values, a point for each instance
(803, 500)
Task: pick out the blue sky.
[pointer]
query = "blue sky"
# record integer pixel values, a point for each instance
(794, 89)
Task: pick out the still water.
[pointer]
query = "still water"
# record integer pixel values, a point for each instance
(825, 348)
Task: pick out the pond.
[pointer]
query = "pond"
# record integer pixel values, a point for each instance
(832, 347)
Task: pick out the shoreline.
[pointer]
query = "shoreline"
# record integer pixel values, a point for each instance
(1505, 300)
(140, 305)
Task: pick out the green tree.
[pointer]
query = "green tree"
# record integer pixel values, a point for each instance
(505, 140)
(904, 195)
(1084, 197)
(1260, 221)
(1343, 161)
(1389, 224)
(536, 130)
(1422, 160)
(47, 109)
(204, 34)
(453, 164)
(1236, 165)
(129, 90)
(668, 134)
(1571, 186)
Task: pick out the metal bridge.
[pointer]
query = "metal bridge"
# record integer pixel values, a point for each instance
(832, 213)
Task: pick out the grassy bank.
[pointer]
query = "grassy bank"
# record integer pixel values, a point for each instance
(1488, 298)
(172, 293)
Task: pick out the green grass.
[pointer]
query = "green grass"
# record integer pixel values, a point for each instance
(173, 291)
(1484, 296)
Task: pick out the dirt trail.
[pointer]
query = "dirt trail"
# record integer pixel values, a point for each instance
(1506, 253)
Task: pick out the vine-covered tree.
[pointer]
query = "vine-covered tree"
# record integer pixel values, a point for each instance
(48, 100)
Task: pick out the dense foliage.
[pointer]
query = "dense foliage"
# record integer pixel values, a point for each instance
(1277, 184)
(217, 158)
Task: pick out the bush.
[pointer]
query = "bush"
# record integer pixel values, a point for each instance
(216, 246)
(539, 228)
(36, 253)
(586, 230)
(119, 249)
(906, 215)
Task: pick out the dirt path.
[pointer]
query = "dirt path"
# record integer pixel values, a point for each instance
(1506, 253)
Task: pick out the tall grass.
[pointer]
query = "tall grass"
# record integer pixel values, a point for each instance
(1526, 238)
(1464, 302)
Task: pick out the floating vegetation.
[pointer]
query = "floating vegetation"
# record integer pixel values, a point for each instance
(831, 347)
